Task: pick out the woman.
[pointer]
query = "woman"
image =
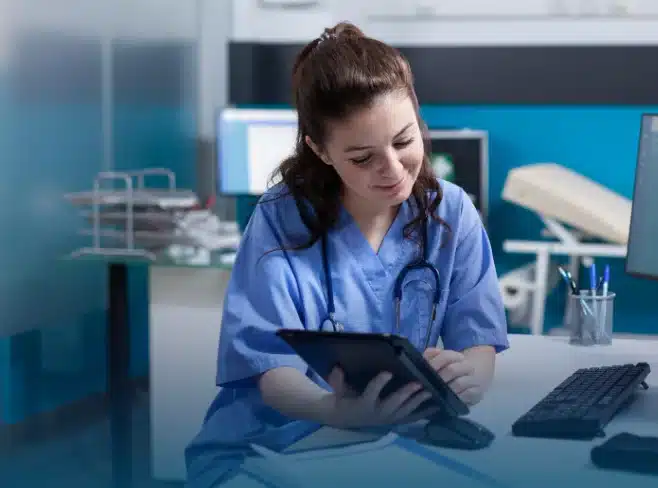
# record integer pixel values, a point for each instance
(360, 179)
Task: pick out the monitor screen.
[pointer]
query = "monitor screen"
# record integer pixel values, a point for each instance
(251, 143)
(642, 258)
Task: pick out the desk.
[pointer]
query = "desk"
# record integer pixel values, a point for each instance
(525, 373)
(185, 304)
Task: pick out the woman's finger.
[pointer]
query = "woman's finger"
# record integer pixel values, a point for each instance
(463, 383)
(374, 389)
(337, 382)
(455, 370)
(445, 358)
(471, 396)
(431, 352)
(409, 407)
(390, 405)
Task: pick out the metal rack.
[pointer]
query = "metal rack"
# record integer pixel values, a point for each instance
(142, 219)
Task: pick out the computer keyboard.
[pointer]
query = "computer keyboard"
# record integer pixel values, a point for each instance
(583, 404)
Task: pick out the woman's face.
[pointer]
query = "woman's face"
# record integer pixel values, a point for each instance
(377, 151)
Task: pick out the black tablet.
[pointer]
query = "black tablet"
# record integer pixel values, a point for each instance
(362, 356)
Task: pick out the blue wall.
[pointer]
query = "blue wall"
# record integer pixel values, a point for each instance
(598, 142)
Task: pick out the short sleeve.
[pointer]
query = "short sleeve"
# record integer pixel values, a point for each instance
(475, 314)
(262, 296)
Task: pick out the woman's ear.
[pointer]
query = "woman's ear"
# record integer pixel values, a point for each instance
(314, 147)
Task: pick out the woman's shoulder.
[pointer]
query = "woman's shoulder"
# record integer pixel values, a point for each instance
(277, 207)
(457, 208)
(453, 198)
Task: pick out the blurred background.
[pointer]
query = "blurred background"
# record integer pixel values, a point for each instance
(124, 85)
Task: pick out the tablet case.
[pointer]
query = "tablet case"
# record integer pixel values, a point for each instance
(364, 355)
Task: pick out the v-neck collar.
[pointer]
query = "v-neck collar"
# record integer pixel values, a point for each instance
(391, 250)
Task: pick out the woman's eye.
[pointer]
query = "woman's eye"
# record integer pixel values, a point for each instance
(361, 160)
(403, 143)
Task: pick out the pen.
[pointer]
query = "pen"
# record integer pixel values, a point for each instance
(567, 278)
(606, 284)
(600, 283)
(592, 279)
(595, 305)
(574, 290)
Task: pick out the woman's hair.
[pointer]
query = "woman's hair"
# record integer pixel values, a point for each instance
(336, 74)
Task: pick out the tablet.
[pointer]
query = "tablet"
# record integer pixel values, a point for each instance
(362, 356)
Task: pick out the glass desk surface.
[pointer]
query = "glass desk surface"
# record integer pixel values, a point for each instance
(217, 260)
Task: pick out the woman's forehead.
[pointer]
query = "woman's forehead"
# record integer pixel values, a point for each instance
(387, 117)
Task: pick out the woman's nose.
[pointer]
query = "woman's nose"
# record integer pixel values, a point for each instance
(391, 164)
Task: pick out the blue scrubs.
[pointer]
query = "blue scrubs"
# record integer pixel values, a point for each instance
(287, 289)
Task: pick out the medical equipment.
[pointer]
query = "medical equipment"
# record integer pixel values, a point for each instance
(142, 222)
(560, 197)
(397, 291)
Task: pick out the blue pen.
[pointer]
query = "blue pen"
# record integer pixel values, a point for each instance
(595, 304)
(592, 279)
(606, 284)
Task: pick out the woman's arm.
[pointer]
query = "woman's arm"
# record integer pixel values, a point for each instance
(469, 372)
(294, 395)
(483, 360)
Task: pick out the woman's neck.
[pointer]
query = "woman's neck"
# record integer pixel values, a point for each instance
(373, 221)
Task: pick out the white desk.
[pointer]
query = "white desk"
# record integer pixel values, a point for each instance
(525, 373)
(185, 316)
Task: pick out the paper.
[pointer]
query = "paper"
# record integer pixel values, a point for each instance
(328, 437)
(380, 463)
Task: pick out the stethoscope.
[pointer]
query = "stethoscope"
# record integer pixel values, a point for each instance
(397, 290)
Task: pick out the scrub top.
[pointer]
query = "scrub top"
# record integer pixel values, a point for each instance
(287, 289)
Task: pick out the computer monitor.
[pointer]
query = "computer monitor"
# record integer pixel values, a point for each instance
(251, 143)
(641, 256)
(462, 157)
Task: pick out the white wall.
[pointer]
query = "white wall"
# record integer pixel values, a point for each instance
(214, 30)
(458, 22)
(125, 19)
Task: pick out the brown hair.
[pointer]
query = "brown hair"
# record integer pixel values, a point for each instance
(334, 75)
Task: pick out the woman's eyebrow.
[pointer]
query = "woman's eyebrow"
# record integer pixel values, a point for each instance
(361, 148)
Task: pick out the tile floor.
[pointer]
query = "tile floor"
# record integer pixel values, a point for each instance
(72, 450)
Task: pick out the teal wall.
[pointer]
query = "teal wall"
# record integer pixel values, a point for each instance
(599, 142)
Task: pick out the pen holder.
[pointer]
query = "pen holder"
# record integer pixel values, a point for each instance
(590, 318)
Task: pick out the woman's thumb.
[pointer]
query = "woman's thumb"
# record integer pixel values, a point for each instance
(337, 381)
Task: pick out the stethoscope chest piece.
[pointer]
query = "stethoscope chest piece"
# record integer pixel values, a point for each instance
(332, 324)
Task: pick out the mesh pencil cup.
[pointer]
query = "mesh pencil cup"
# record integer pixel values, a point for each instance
(590, 318)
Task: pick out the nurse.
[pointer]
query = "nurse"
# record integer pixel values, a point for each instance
(359, 179)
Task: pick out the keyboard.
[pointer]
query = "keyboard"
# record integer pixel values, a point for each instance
(583, 404)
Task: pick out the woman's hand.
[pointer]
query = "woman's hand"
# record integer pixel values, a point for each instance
(346, 409)
(456, 370)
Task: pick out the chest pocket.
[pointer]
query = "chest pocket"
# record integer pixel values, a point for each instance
(415, 310)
